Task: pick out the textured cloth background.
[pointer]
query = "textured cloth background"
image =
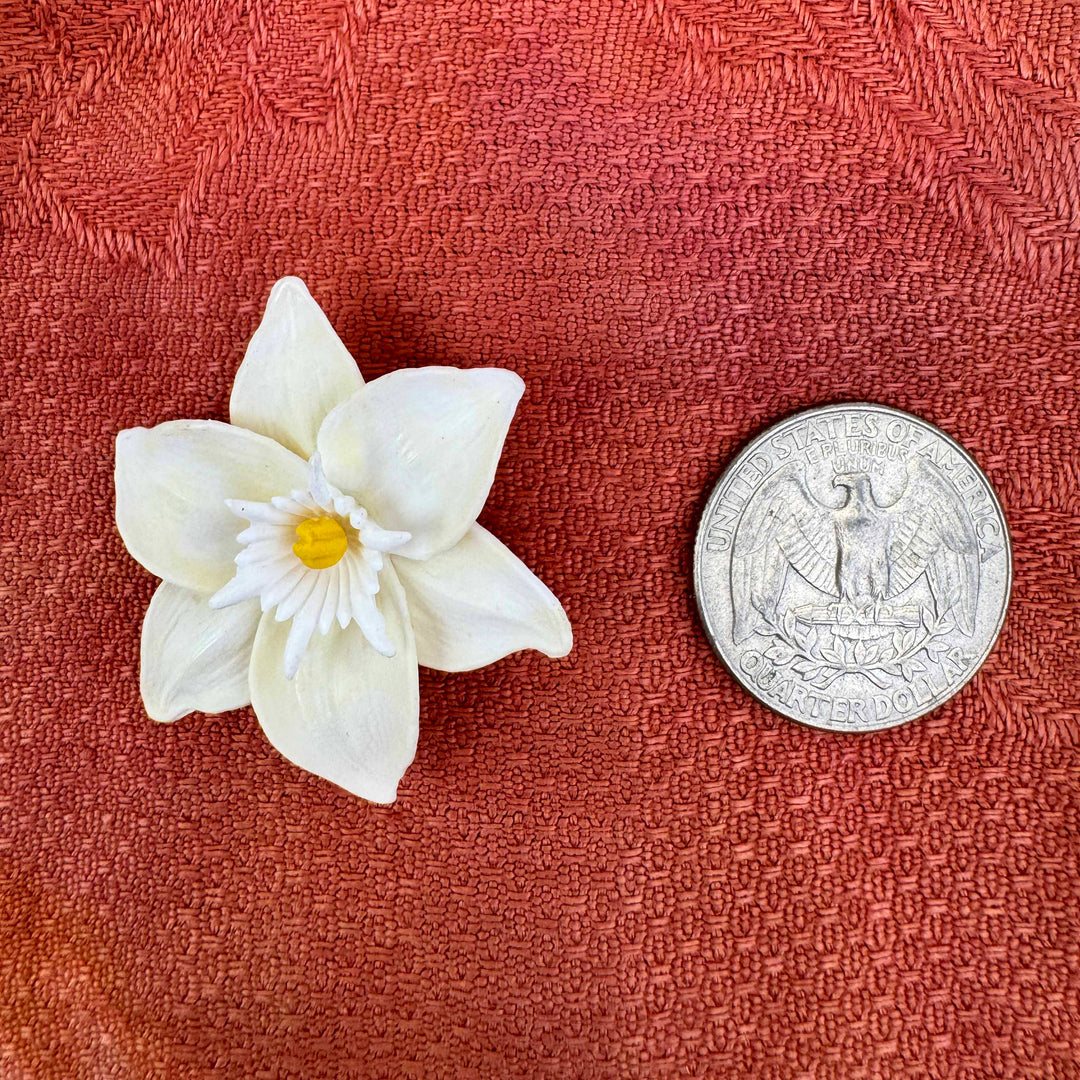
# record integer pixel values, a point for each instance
(678, 220)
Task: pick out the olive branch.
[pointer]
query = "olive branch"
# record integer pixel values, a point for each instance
(800, 648)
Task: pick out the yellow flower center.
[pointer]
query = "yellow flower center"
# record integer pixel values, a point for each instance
(321, 542)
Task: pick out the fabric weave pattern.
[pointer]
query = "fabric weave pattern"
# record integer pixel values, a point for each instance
(678, 221)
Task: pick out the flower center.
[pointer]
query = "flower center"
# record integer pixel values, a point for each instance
(315, 556)
(321, 542)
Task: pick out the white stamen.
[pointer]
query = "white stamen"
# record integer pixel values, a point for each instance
(269, 568)
(317, 484)
(261, 512)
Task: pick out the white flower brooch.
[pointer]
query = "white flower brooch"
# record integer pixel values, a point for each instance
(321, 545)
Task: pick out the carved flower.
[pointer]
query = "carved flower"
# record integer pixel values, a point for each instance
(321, 545)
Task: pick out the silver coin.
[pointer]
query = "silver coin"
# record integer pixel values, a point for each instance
(853, 567)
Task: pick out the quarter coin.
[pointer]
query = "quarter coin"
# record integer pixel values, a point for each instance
(853, 567)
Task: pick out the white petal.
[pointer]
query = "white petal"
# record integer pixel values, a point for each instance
(171, 485)
(366, 612)
(263, 552)
(295, 505)
(363, 573)
(193, 657)
(419, 447)
(477, 602)
(330, 599)
(285, 535)
(263, 512)
(294, 372)
(321, 492)
(281, 588)
(380, 539)
(349, 715)
(248, 583)
(344, 606)
(297, 597)
(303, 626)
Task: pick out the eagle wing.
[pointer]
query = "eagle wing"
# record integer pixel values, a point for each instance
(784, 526)
(932, 533)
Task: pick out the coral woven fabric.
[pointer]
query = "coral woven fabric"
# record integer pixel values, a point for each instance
(678, 220)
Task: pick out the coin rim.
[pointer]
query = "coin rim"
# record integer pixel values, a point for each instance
(747, 448)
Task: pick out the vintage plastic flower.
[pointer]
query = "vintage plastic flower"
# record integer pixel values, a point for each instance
(323, 543)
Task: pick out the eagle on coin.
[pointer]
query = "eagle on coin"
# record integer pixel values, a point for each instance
(860, 551)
